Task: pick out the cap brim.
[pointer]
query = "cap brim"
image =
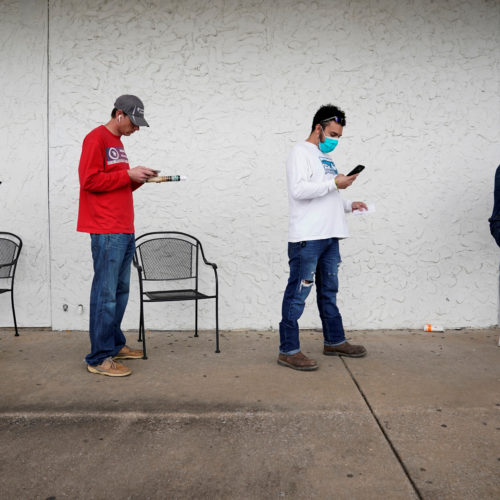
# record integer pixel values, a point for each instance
(138, 121)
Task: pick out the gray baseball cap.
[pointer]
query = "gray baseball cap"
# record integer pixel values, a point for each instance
(132, 106)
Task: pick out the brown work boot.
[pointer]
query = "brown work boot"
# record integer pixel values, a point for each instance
(127, 353)
(297, 361)
(345, 349)
(110, 368)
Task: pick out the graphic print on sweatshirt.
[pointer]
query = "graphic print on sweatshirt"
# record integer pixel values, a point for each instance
(328, 165)
(116, 155)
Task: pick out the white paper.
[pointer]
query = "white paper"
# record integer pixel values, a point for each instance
(371, 209)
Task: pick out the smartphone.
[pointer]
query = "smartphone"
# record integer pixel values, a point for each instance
(356, 170)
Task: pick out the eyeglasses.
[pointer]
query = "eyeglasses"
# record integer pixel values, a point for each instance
(336, 119)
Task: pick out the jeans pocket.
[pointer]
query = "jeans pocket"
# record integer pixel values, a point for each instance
(98, 242)
(119, 241)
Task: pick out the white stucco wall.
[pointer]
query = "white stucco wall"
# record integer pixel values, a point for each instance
(23, 158)
(229, 87)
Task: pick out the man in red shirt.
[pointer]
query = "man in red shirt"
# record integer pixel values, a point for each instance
(106, 211)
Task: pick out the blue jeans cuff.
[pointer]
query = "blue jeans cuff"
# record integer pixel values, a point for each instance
(338, 343)
(290, 353)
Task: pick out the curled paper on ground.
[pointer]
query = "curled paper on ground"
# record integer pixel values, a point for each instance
(371, 209)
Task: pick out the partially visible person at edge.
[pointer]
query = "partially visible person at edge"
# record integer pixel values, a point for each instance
(106, 211)
(316, 224)
(494, 221)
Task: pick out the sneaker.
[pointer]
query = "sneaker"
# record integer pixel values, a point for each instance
(345, 349)
(297, 361)
(127, 353)
(110, 368)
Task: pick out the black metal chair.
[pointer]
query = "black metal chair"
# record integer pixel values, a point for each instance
(169, 257)
(10, 248)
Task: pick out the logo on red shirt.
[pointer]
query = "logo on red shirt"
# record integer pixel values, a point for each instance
(116, 155)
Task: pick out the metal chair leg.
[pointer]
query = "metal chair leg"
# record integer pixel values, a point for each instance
(14, 311)
(217, 350)
(142, 334)
(196, 319)
(141, 322)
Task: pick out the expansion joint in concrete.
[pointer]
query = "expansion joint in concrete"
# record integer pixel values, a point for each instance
(384, 433)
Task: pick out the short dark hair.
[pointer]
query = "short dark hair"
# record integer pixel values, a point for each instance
(326, 114)
(113, 113)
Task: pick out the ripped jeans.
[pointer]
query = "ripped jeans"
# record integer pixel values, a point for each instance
(312, 262)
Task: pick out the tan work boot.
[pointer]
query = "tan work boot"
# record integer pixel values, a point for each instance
(127, 353)
(345, 349)
(110, 368)
(297, 361)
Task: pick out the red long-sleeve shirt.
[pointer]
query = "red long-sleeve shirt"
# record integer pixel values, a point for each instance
(106, 203)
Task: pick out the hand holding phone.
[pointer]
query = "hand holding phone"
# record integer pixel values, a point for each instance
(356, 170)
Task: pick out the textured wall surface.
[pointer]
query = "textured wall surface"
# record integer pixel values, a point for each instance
(229, 87)
(23, 163)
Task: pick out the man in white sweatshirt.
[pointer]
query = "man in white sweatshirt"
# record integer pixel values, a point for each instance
(316, 224)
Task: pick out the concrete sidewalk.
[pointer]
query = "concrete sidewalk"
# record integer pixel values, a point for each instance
(417, 418)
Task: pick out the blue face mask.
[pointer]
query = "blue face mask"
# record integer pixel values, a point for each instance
(328, 145)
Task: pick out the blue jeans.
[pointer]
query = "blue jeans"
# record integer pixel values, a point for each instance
(112, 255)
(315, 260)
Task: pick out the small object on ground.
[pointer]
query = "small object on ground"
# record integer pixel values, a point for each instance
(433, 328)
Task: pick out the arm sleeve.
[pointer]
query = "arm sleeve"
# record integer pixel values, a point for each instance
(135, 185)
(300, 186)
(347, 206)
(93, 176)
